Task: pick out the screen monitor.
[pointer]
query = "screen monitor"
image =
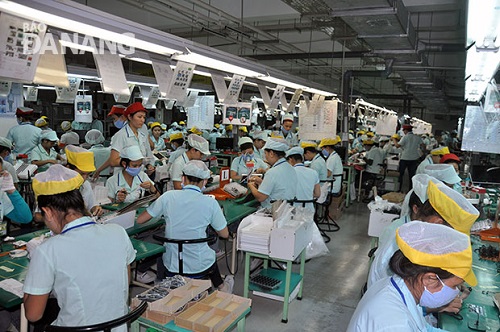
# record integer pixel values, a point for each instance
(224, 143)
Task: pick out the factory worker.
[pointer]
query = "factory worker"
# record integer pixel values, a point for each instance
(158, 142)
(90, 287)
(177, 145)
(131, 183)
(188, 213)
(453, 160)
(259, 140)
(374, 157)
(357, 144)
(81, 161)
(411, 145)
(212, 138)
(5, 151)
(182, 126)
(427, 272)
(247, 162)
(308, 187)
(196, 149)
(12, 205)
(280, 181)
(391, 148)
(42, 123)
(382, 142)
(195, 130)
(445, 173)
(228, 130)
(242, 131)
(69, 136)
(117, 114)
(333, 163)
(317, 162)
(173, 128)
(44, 154)
(24, 136)
(443, 206)
(433, 158)
(101, 154)
(286, 130)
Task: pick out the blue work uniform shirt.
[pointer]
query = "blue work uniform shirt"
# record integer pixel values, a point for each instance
(280, 182)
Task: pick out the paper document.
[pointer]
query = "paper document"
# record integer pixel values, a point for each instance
(13, 286)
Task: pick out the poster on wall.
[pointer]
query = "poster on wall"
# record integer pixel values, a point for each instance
(237, 114)
(386, 123)
(319, 125)
(20, 46)
(481, 130)
(181, 80)
(68, 95)
(9, 103)
(110, 69)
(83, 108)
(201, 114)
(30, 93)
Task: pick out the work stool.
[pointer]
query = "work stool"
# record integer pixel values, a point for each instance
(375, 180)
(323, 219)
(106, 326)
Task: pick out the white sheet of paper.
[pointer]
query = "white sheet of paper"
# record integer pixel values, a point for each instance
(110, 69)
(13, 286)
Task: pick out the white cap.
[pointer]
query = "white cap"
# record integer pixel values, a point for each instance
(132, 152)
(199, 143)
(196, 168)
(260, 135)
(5, 142)
(276, 144)
(244, 140)
(70, 138)
(443, 172)
(94, 136)
(49, 135)
(420, 184)
(351, 136)
(295, 150)
(287, 117)
(383, 139)
(66, 125)
(163, 126)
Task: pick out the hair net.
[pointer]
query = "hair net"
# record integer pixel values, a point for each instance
(66, 125)
(244, 140)
(260, 135)
(70, 138)
(55, 180)
(420, 184)
(436, 245)
(453, 207)
(287, 117)
(383, 139)
(83, 159)
(276, 144)
(196, 168)
(443, 172)
(49, 135)
(5, 142)
(295, 150)
(199, 143)
(41, 122)
(131, 152)
(94, 136)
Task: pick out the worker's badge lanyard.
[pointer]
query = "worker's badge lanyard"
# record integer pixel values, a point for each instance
(78, 226)
(402, 297)
(299, 165)
(118, 183)
(281, 162)
(193, 189)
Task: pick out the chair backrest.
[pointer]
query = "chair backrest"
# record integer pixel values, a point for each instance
(180, 245)
(106, 326)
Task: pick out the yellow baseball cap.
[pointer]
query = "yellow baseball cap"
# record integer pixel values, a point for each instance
(308, 144)
(195, 130)
(329, 141)
(361, 132)
(83, 159)
(56, 179)
(229, 127)
(370, 134)
(440, 151)
(182, 122)
(244, 129)
(177, 135)
(368, 142)
(396, 136)
(155, 124)
(450, 250)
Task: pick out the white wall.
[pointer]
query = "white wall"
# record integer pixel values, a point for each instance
(5, 124)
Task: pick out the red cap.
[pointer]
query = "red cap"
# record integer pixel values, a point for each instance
(24, 111)
(407, 127)
(449, 156)
(134, 108)
(117, 110)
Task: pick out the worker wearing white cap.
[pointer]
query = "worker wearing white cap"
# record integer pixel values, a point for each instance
(280, 180)
(5, 152)
(247, 162)
(427, 273)
(259, 140)
(129, 184)
(72, 266)
(286, 130)
(188, 213)
(445, 173)
(197, 147)
(101, 153)
(25, 136)
(308, 187)
(44, 154)
(433, 158)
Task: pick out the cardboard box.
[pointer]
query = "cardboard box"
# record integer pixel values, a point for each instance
(378, 221)
(392, 165)
(288, 242)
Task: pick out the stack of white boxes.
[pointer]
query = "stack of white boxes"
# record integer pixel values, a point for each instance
(392, 178)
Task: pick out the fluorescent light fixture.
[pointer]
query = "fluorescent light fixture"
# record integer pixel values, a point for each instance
(198, 59)
(320, 92)
(278, 81)
(483, 23)
(69, 44)
(147, 61)
(480, 69)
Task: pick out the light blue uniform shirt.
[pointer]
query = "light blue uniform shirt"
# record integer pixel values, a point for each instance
(378, 156)
(280, 182)
(319, 165)
(306, 180)
(239, 165)
(334, 165)
(425, 162)
(158, 143)
(101, 155)
(212, 138)
(389, 306)
(290, 138)
(187, 214)
(411, 146)
(387, 246)
(85, 267)
(40, 154)
(177, 166)
(88, 195)
(259, 153)
(175, 154)
(134, 192)
(25, 137)
(126, 137)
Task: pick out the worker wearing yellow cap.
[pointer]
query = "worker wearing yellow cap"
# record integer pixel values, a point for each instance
(71, 266)
(316, 161)
(333, 163)
(242, 131)
(157, 140)
(212, 137)
(433, 158)
(390, 148)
